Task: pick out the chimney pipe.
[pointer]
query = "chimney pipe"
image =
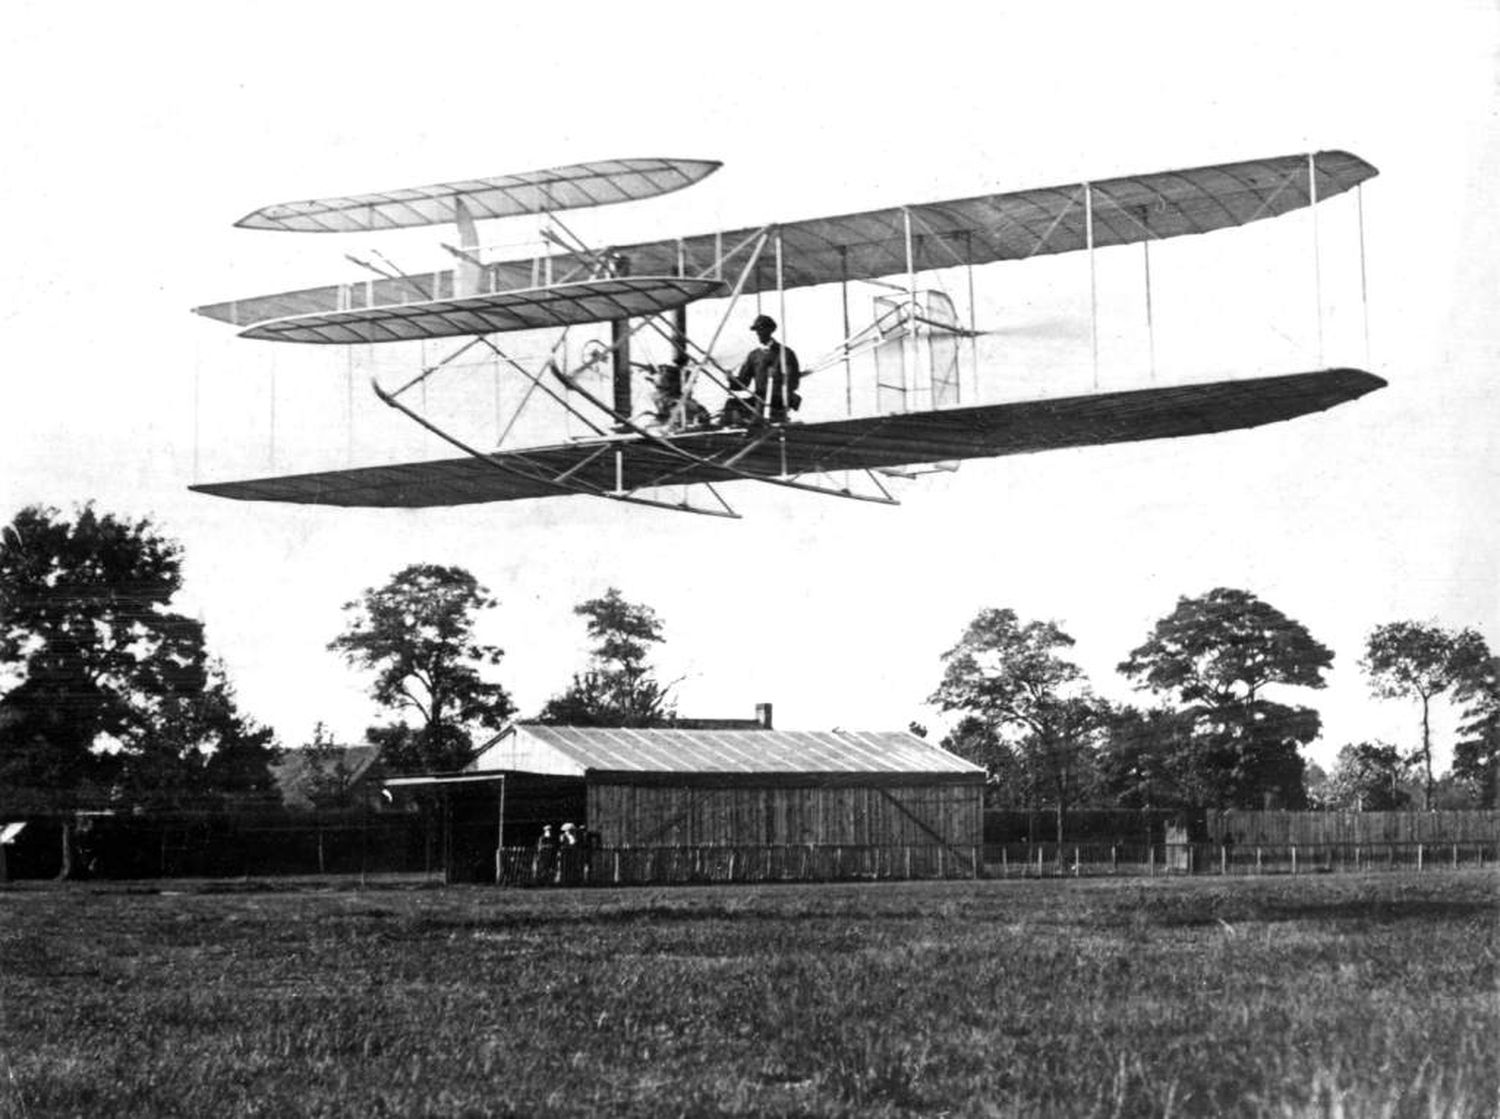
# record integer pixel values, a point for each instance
(763, 715)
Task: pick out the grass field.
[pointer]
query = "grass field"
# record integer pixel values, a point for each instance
(1332, 995)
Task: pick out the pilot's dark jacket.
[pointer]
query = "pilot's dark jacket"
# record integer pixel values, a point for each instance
(762, 366)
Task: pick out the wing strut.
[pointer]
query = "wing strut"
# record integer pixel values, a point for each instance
(691, 460)
(533, 472)
(705, 353)
(563, 483)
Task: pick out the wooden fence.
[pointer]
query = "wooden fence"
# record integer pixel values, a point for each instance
(640, 866)
(633, 866)
(1242, 827)
(1079, 860)
(1089, 826)
(231, 845)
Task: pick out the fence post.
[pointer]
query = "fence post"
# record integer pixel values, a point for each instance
(1039, 847)
(1114, 860)
(1257, 860)
(1004, 861)
(1224, 859)
(1151, 859)
(1455, 856)
(1294, 858)
(1419, 856)
(1075, 861)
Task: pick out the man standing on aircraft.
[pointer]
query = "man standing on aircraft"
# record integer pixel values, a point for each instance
(770, 364)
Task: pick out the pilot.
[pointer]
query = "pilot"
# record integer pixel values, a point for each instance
(771, 364)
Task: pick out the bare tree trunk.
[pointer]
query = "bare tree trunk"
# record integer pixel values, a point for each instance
(66, 871)
(1426, 757)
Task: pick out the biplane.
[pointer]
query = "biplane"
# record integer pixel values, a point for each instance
(677, 455)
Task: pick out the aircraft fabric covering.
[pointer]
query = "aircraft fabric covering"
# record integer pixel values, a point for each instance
(984, 229)
(532, 192)
(559, 305)
(875, 442)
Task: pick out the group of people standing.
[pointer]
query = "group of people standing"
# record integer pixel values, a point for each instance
(564, 856)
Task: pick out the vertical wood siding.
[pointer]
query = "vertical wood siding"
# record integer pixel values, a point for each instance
(916, 815)
(1451, 826)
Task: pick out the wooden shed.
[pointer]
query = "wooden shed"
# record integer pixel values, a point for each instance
(751, 787)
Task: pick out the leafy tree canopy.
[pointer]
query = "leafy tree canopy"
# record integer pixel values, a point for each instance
(1476, 756)
(1018, 689)
(1146, 759)
(1369, 777)
(1410, 660)
(1009, 673)
(109, 690)
(1223, 647)
(617, 689)
(328, 777)
(416, 634)
(1216, 653)
(199, 749)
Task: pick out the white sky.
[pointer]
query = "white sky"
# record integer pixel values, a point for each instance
(136, 134)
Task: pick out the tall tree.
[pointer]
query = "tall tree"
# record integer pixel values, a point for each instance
(1409, 660)
(109, 691)
(618, 688)
(199, 750)
(1216, 654)
(416, 633)
(85, 634)
(1014, 678)
(1476, 756)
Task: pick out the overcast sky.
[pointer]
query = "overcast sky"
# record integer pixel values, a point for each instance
(136, 135)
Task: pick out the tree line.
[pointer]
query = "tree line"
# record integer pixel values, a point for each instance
(1221, 731)
(109, 697)
(108, 694)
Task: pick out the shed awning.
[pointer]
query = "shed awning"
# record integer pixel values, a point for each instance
(430, 780)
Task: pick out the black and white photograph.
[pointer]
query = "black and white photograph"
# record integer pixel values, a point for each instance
(662, 559)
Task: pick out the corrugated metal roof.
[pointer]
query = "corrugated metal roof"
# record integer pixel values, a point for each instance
(618, 750)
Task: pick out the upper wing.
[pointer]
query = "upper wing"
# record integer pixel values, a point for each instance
(1021, 224)
(979, 230)
(532, 192)
(866, 443)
